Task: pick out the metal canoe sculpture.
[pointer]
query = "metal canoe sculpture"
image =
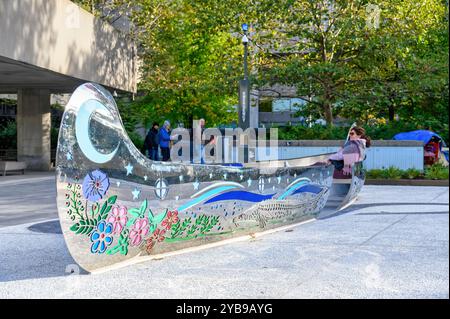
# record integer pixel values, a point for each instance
(114, 204)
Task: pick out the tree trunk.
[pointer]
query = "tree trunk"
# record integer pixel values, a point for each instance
(328, 113)
(391, 112)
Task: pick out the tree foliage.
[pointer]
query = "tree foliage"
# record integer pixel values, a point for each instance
(340, 55)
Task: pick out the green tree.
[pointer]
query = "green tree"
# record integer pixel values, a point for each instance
(344, 63)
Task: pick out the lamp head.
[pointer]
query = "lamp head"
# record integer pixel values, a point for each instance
(245, 27)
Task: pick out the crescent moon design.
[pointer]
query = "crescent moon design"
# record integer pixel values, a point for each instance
(82, 132)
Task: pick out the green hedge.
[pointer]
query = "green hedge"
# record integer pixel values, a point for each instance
(437, 172)
(375, 132)
(8, 135)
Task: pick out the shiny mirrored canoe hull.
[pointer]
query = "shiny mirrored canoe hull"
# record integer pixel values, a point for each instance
(114, 204)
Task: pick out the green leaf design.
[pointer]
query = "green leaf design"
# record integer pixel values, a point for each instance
(131, 221)
(154, 221)
(134, 212)
(112, 200)
(104, 211)
(122, 245)
(84, 227)
(104, 206)
(143, 208)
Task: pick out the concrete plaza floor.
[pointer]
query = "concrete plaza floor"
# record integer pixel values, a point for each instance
(392, 243)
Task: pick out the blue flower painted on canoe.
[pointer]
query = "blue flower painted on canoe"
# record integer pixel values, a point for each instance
(95, 185)
(101, 238)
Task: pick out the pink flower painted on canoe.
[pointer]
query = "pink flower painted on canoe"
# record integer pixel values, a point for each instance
(118, 218)
(138, 231)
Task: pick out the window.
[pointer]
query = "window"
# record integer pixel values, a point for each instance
(287, 105)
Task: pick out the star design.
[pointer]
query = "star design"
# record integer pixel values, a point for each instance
(136, 193)
(249, 182)
(69, 156)
(145, 178)
(241, 177)
(196, 185)
(129, 169)
(118, 184)
(177, 197)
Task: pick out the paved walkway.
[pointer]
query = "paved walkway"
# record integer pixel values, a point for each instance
(27, 198)
(393, 243)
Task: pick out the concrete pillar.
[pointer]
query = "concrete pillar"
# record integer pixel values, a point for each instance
(33, 128)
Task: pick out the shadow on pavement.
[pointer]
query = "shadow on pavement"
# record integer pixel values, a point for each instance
(39, 253)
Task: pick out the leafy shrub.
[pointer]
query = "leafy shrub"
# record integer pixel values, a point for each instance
(8, 135)
(316, 132)
(137, 140)
(411, 173)
(375, 173)
(392, 173)
(380, 131)
(436, 171)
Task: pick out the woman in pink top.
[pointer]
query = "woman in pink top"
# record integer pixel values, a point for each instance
(354, 150)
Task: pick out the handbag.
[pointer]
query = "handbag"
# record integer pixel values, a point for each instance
(338, 164)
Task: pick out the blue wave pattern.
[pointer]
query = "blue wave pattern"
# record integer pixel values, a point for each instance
(240, 195)
(310, 188)
(223, 193)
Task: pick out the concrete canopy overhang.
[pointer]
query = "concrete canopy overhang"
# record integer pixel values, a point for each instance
(16, 75)
(56, 45)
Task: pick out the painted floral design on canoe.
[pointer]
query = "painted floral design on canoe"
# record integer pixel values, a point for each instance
(157, 237)
(101, 237)
(118, 218)
(171, 218)
(95, 185)
(138, 231)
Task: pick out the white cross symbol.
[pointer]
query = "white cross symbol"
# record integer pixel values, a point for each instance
(161, 188)
(261, 184)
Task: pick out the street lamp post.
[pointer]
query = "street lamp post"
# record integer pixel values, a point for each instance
(245, 43)
(244, 87)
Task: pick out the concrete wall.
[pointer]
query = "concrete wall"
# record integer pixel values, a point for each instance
(382, 154)
(59, 36)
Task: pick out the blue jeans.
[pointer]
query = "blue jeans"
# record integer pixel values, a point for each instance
(153, 154)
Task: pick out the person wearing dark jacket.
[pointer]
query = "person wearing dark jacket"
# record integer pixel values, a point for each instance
(151, 142)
